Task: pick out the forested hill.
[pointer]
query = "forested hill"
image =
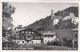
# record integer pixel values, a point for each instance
(66, 11)
(46, 22)
(40, 23)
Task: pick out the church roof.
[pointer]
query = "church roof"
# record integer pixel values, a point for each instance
(67, 18)
(56, 17)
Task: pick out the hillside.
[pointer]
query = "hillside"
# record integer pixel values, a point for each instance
(44, 24)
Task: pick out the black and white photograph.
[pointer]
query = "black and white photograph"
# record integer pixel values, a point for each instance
(40, 25)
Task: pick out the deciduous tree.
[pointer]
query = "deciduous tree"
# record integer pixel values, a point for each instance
(7, 11)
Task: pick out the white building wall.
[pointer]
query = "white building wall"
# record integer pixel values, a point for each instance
(49, 39)
(55, 21)
(36, 41)
(75, 20)
(25, 42)
(21, 42)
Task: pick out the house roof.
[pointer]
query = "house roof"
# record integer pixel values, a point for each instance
(75, 29)
(67, 18)
(49, 33)
(30, 30)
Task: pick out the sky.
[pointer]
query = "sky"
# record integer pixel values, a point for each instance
(27, 13)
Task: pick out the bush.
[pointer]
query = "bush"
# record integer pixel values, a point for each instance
(55, 43)
(37, 47)
(64, 41)
(69, 43)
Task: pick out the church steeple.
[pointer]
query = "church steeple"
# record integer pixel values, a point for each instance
(52, 14)
(52, 19)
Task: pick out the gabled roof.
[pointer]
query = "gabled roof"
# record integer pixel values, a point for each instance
(49, 33)
(67, 18)
(75, 29)
(30, 30)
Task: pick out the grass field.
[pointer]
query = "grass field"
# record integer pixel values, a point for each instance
(39, 47)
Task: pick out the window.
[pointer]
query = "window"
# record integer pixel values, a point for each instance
(29, 32)
(75, 42)
(28, 36)
(16, 32)
(17, 41)
(32, 41)
(45, 40)
(26, 32)
(36, 37)
(48, 40)
(53, 36)
(46, 37)
(28, 41)
(50, 37)
(32, 32)
(22, 41)
(42, 37)
(76, 35)
(23, 37)
(22, 31)
(38, 41)
(35, 41)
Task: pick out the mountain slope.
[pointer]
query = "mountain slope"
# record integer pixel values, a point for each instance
(44, 24)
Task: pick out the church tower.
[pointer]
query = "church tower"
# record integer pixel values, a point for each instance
(52, 14)
(52, 19)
